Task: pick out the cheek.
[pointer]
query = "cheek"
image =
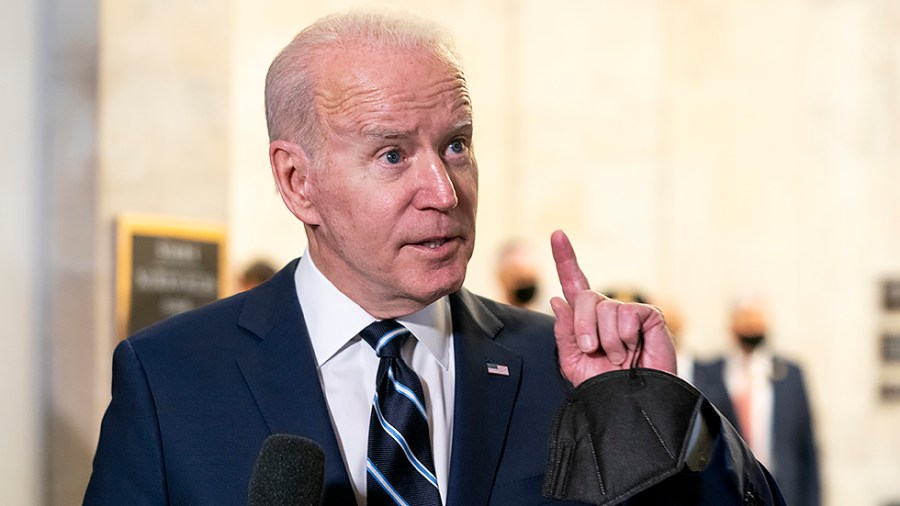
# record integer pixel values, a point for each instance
(469, 177)
(467, 190)
(370, 218)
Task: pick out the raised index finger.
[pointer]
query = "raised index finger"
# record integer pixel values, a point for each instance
(571, 278)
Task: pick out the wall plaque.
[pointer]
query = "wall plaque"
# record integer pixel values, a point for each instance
(890, 347)
(166, 266)
(891, 294)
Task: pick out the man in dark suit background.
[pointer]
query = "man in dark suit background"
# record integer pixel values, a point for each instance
(370, 126)
(764, 396)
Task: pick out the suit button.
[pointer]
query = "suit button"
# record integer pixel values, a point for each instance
(750, 498)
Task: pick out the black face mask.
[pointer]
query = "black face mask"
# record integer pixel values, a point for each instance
(751, 341)
(524, 293)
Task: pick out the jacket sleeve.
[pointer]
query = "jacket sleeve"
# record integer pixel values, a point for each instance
(128, 464)
(807, 452)
(643, 436)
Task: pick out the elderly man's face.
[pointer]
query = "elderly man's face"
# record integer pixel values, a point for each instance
(395, 189)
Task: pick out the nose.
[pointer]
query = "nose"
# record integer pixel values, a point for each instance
(436, 188)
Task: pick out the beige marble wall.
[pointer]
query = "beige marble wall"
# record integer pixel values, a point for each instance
(785, 116)
(70, 309)
(165, 84)
(20, 427)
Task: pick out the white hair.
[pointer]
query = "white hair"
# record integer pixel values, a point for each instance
(292, 78)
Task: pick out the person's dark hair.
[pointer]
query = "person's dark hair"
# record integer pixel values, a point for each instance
(257, 272)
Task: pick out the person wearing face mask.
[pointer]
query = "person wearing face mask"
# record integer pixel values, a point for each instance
(764, 396)
(518, 275)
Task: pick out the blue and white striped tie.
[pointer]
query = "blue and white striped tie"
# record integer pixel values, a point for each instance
(400, 466)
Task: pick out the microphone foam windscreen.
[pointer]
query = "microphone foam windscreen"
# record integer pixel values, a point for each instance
(289, 470)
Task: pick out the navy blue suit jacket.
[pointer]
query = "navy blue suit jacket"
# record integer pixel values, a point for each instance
(794, 465)
(195, 396)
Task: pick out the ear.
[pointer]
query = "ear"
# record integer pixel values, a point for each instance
(290, 168)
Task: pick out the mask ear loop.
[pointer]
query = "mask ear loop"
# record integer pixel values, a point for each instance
(636, 358)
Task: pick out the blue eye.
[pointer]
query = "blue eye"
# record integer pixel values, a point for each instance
(457, 147)
(393, 157)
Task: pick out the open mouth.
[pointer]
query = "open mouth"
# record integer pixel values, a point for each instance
(434, 243)
(439, 245)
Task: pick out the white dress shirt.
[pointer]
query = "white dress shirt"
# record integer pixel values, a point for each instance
(754, 371)
(684, 362)
(347, 366)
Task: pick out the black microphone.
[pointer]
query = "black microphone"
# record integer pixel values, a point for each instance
(289, 471)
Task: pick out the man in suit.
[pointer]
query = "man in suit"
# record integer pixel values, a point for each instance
(764, 397)
(371, 148)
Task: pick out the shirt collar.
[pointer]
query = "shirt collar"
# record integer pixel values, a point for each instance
(759, 362)
(334, 320)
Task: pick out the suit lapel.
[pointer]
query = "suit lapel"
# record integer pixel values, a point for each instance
(283, 356)
(282, 376)
(483, 402)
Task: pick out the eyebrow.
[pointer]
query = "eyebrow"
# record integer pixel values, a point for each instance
(386, 133)
(463, 124)
(377, 132)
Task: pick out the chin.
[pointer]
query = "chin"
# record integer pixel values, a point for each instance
(439, 284)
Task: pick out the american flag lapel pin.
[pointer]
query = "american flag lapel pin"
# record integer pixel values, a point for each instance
(497, 369)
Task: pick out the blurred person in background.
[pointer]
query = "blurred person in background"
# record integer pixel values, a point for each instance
(683, 356)
(517, 274)
(764, 396)
(254, 274)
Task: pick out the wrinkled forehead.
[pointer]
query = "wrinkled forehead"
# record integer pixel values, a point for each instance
(361, 78)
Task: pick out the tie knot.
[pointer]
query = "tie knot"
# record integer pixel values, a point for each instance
(386, 337)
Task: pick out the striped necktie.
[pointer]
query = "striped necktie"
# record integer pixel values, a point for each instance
(400, 468)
